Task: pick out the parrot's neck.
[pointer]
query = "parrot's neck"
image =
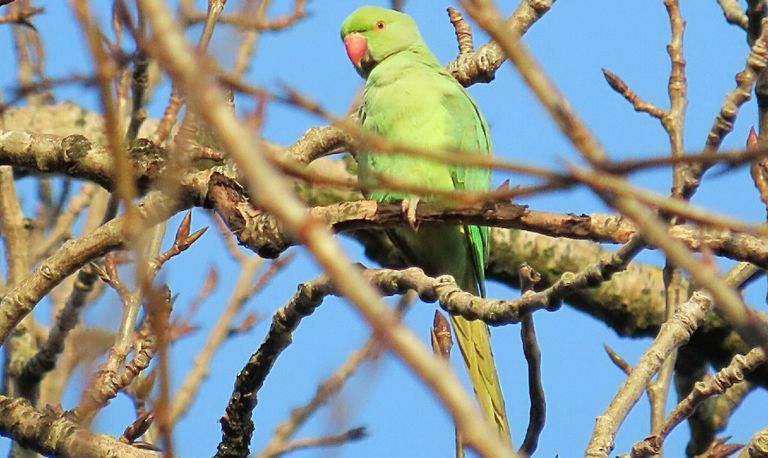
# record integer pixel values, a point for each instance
(416, 58)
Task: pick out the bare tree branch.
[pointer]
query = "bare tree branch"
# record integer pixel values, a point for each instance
(46, 433)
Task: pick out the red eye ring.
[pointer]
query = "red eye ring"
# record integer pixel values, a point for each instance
(380, 25)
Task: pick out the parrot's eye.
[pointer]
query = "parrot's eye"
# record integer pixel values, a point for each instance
(380, 25)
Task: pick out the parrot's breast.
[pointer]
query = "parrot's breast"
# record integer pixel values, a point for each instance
(407, 111)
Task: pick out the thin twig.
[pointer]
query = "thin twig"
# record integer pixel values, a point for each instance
(14, 231)
(756, 61)
(139, 86)
(125, 186)
(175, 102)
(717, 384)
(625, 367)
(669, 205)
(463, 31)
(249, 37)
(336, 440)
(104, 384)
(62, 226)
(21, 16)
(673, 123)
(620, 362)
(20, 300)
(733, 13)
(325, 391)
(201, 365)
(481, 65)
(278, 444)
(245, 21)
(45, 359)
(532, 352)
(618, 85)
(237, 426)
(17, 256)
(673, 333)
(487, 16)
(759, 171)
(108, 383)
(158, 309)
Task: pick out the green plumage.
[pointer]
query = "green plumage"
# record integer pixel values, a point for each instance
(412, 100)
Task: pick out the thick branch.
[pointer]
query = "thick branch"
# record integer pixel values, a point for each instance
(46, 433)
(76, 156)
(757, 446)
(261, 232)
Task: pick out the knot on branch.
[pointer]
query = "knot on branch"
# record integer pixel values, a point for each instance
(148, 160)
(444, 283)
(540, 6)
(253, 228)
(473, 67)
(75, 147)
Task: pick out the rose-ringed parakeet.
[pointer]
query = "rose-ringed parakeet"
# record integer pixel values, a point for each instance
(410, 99)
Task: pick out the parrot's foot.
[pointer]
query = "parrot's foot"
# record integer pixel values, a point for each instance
(409, 210)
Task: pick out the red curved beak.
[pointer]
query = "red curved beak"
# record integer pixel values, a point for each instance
(357, 47)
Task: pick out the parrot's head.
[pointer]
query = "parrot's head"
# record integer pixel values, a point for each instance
(371, 34)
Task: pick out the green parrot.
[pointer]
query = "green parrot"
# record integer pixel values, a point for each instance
(410, 99)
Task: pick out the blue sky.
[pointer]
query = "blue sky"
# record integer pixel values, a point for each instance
(573, 41)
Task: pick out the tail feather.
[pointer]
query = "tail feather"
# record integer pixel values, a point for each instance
(474, 336)
(475, 345)
(459, 251)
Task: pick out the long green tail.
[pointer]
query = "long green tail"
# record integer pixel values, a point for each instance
(459, 251)
(475, 345)
(474, 337)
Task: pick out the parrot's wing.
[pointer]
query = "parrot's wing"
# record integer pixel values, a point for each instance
(472, 135)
